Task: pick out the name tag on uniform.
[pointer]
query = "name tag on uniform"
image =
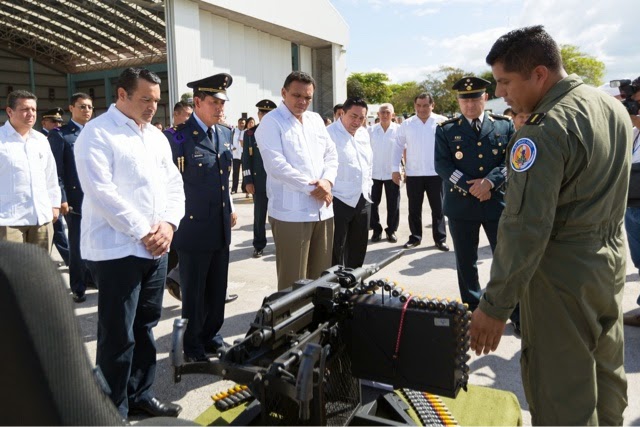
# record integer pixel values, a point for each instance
(198, 155)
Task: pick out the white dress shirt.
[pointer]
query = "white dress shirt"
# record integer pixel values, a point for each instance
(130, 184)
(382, 144)
(354, 164)
(295, 154)
(237, 146)
(29, 187)
(420, 141)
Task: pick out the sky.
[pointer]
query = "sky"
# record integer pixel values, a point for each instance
(408, 39)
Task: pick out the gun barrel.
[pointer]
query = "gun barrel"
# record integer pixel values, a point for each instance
(382, 264)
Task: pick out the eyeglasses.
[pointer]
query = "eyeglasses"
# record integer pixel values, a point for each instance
(85, 107)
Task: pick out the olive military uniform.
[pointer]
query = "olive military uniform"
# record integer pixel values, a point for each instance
(254, 173)
(462, 154)
(561, 254)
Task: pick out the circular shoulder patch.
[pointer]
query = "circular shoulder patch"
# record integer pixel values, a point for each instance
(523, 154)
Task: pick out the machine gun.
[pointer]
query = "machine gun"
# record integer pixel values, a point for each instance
(308, 346)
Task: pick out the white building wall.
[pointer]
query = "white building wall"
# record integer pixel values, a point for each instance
(339, 73)
(306, 63)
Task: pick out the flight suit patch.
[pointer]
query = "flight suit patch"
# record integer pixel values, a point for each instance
(523, 155)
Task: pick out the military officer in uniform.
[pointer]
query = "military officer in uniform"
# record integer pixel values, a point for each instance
(255, 178)
(51, 119)
(201, 149)
(469, 157)
(62, 143)
(561, 251)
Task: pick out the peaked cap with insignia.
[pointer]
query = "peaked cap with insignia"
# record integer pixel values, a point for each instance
(266, 105)
(54, 114)
(215, 85)
(471, 87)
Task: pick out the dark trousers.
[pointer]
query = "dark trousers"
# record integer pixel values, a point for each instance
(60, 241)
(203, 283)
(260, 202)
(466, 238)
(129, 306)
(237, 163)
(78, 272)
(392, 194)
(416, 187)
(351, 232)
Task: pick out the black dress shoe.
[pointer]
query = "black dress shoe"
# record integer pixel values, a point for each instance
(79, 298)
(376, 237)
(411, 244)
(155, 408)
(198, 358)
(231, 298)
(213, 348)
(257, 253)
(392, 238)
(442, 246)
(173, 288)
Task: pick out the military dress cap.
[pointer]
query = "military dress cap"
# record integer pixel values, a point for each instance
(471, 87)
(215, 85)
(266, 105)
(54, 114)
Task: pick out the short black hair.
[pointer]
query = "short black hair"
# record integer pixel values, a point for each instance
(180, 106)
(522, 50)
(128, 80)
(424, 95)
(12, 98)
(299, 76)
(508, 111)
(337, 107)
(351, 102)
(78, 95)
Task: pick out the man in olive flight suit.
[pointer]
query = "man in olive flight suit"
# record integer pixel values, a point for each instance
(560, 252)
(469, 157)
(255, 178)
(201, 150)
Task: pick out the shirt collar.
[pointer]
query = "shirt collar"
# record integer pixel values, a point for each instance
(481, 118)
(9, 129)
(120, 119)
(284, 111)
(202, 125)
(77, 124)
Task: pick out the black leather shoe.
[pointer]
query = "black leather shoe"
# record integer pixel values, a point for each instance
(79, 298)
(442, 246)
(155, 408)
(213, 348)
(392, 238)
(257, 253)
(173, 288)
(376, 237)
(411, 244)
(198, 358)
(231, 298)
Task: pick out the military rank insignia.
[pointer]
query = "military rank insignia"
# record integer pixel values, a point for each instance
(523, 154)
(535, 119)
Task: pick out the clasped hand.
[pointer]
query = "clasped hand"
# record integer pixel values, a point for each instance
(158, 240)
(480, 188)
(322, 191)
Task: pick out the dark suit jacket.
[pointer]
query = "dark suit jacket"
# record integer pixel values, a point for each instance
(62, 141)
(252, 166)
(461, 155)
(206, 225)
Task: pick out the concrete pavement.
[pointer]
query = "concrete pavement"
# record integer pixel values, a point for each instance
(423, 270)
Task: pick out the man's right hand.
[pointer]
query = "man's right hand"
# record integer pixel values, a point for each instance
(64, 208)
(251, 189)
(396, 177)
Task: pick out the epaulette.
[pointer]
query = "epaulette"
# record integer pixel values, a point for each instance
(178, 137)
(171, 130)
(446, 122)
(499, 116)
(535, 118)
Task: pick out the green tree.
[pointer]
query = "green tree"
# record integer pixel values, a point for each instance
(491, 90)
(354, 89)
(439, 85)
(402, 96)
(587, 67)
(374, 86)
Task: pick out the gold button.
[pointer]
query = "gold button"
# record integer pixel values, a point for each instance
(220, 171)
(190, 216)
(223, 188)
(480, 156)
(200, 164)
(255, 174)
(457, 147)
(223, 204)
(499, 144)
(465, 194)
(451, 190)
(481, 168)
(479, 143)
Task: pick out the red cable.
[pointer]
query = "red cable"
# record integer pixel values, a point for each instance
(404, 311)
